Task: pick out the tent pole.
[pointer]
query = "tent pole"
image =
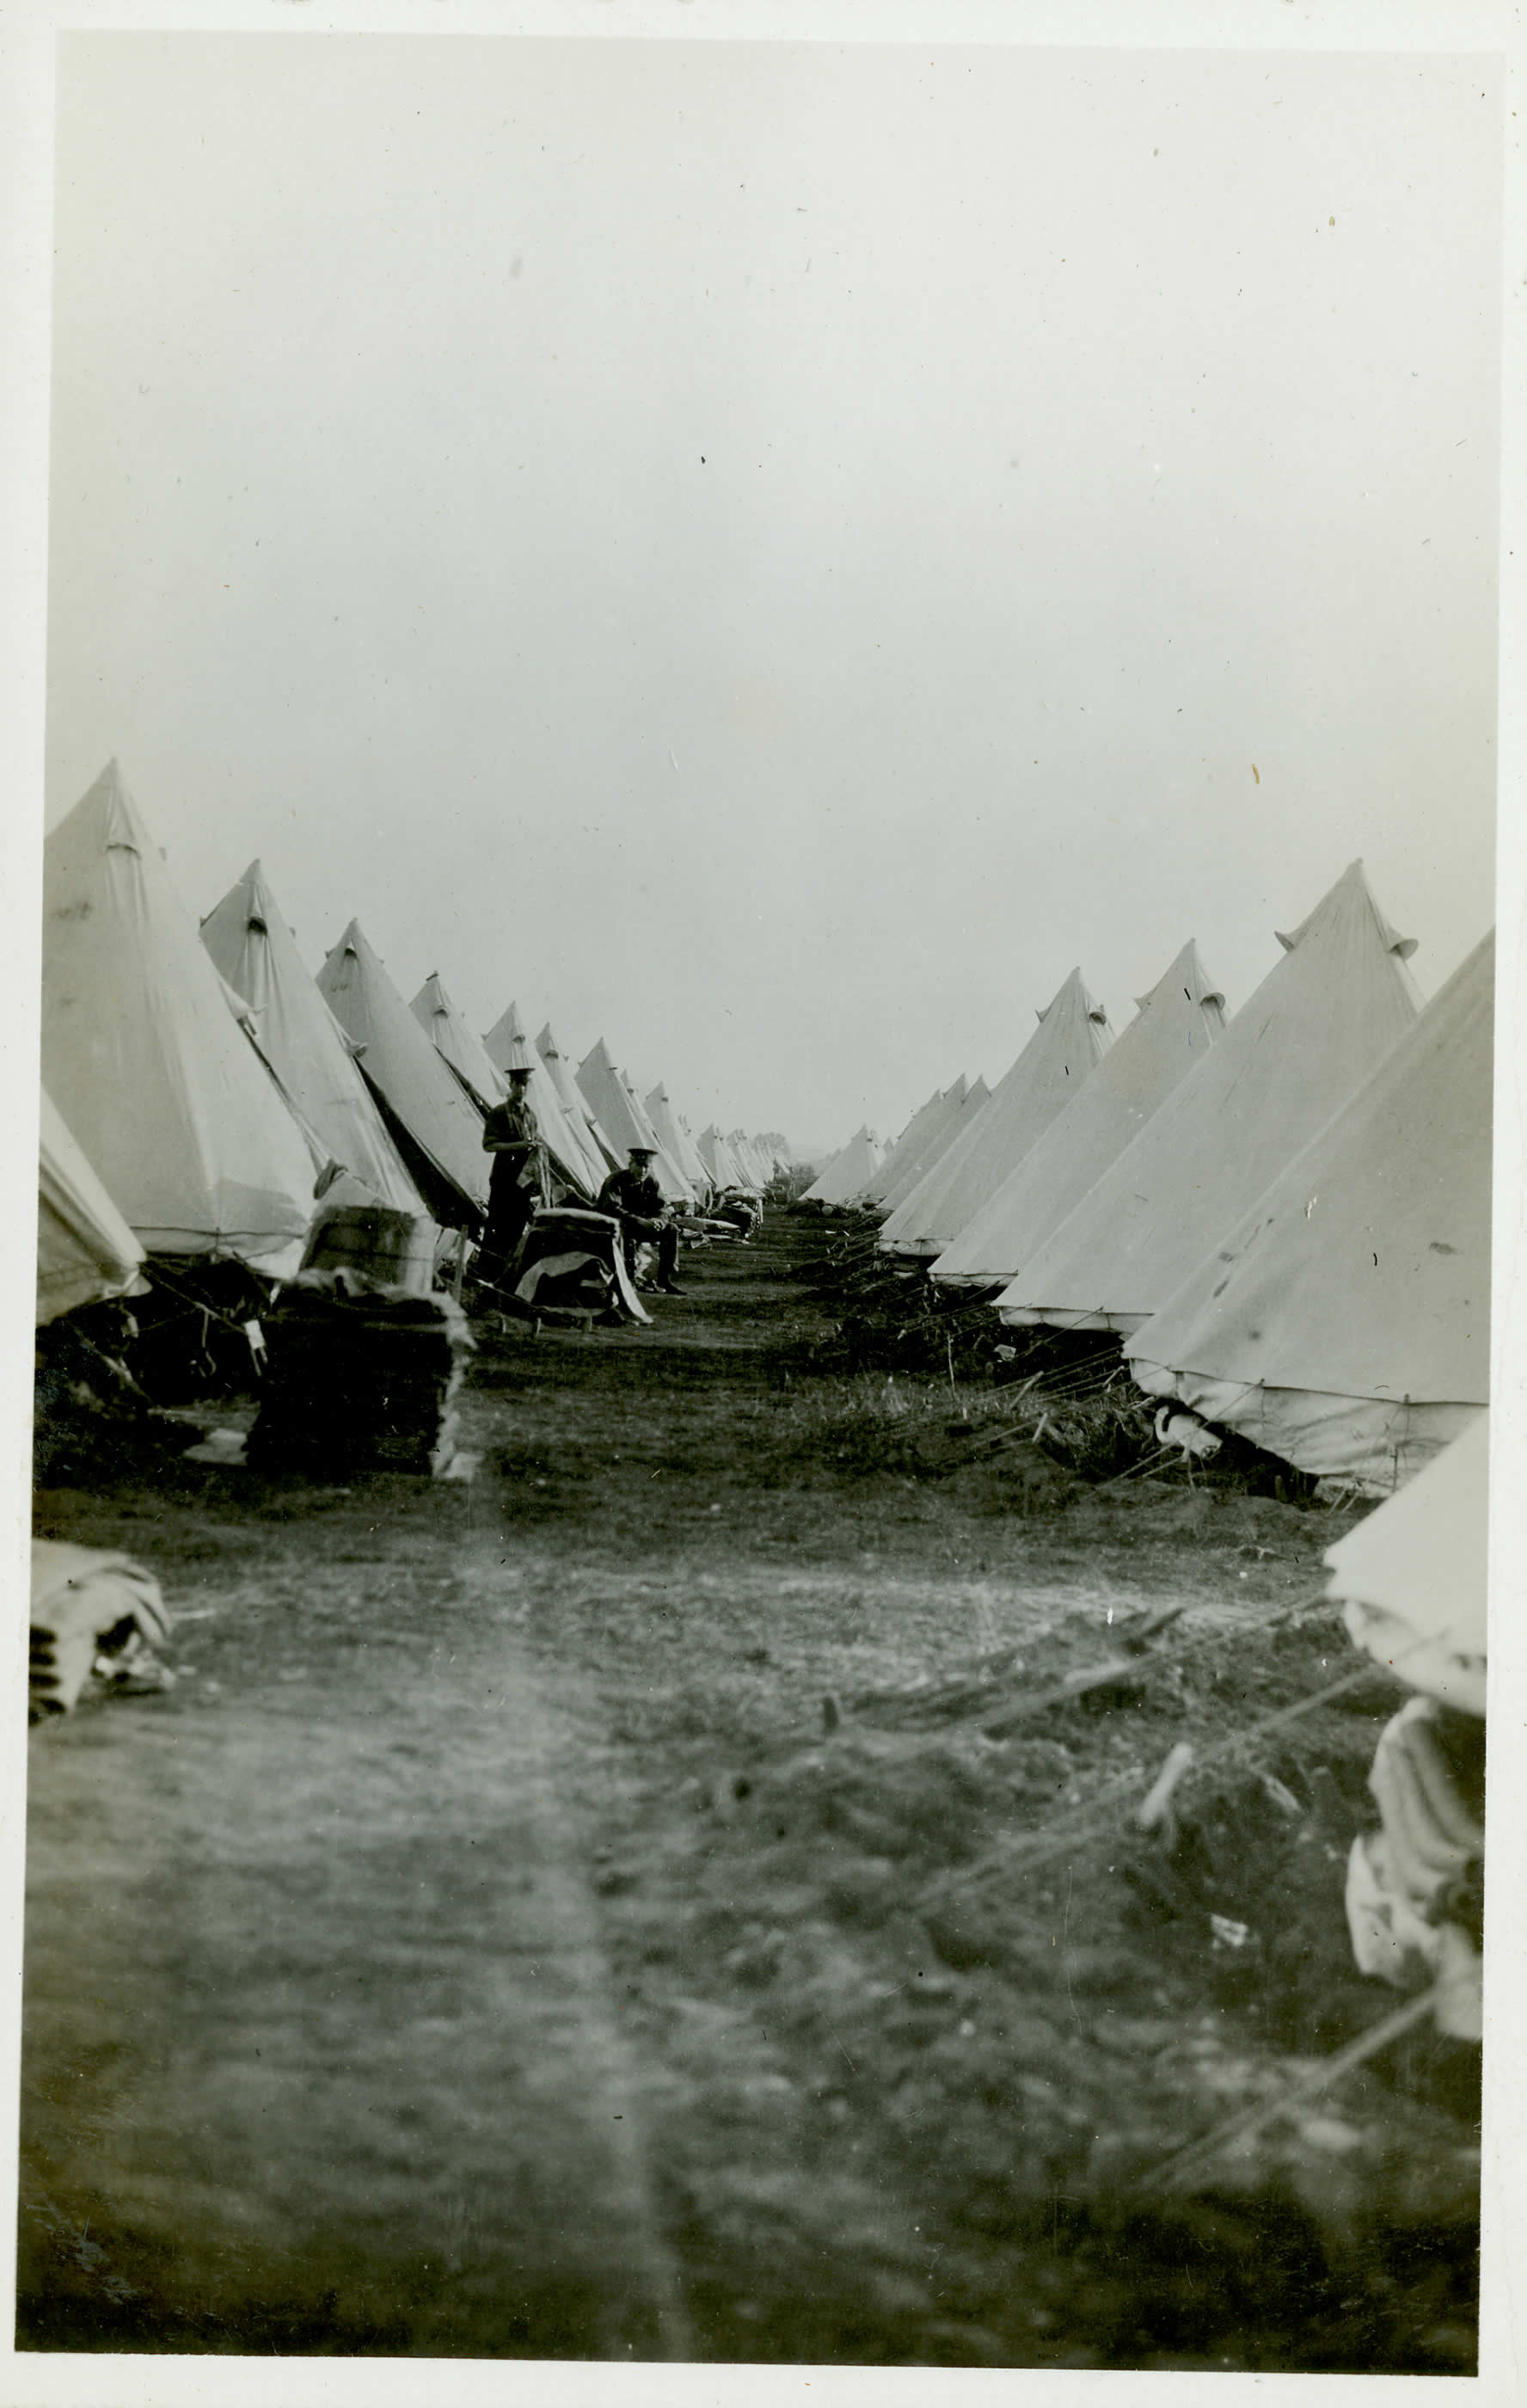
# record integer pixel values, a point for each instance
(461, 1263)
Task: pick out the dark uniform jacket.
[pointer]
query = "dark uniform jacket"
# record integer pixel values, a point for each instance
(512, 1135)
(512, 1122)
(635, 1196)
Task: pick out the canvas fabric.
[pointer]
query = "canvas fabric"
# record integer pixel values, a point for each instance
(610, 1097)
(717, 1158)
(424, 1096)
(676, 1141)
(1175, 1024)
(671, 1176)
(692, 1145)
(914, 1120)
(141, 1054)
(456, 1044)
(755, 1162)
(85, 1250)
(975, 1100)
(599, 1149)
(931, 1121)
(1064, 1049)
(254, 951)
(1343, 1322)
(849, 1174)
(1412, 1577)
(750, 1175)
(1335, 1005)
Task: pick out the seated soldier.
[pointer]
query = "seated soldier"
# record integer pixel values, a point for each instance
(635, 1198)
(511, 1134)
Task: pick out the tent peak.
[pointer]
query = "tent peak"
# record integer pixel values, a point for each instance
(123, 828)
(1074, 983)
(1354, 875)
(1187, 971)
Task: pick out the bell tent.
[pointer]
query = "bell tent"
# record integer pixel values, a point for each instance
(439, 1130)
(849, 1174)
(256, 953)
(1175, 1024)
(620, 1116)
(1344, 1323)
(676, 1141)
(601, 1150)
(1065, 1049)
(458, 1048)
(161, 1088)
(1412, 1577)
(85, 1250)
(1328, 1013)
(717, 1156)
(941, 1111)
(949, 1134)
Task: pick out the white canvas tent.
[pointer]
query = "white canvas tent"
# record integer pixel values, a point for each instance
(1175, 1024)
(755, 1159)
(718, 1158)
(1065, 1049)
(914, 1120)
(1412, 1576)
(940, 1111)
(1344, 1323)
(85, 1250)
(895, 1193)
(457, 1047)
(161, 1088)
(601, 1150)
(609, 1098)
(676, 1141)
(439, 1129)
(671, 1175)
(1319, 1023)
(822, 1168)
(694, 1143)
(739, 1145)
(256, 953)
(741, 1176)
(849, 1174)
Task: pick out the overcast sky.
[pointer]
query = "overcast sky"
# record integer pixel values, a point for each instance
(770, 554)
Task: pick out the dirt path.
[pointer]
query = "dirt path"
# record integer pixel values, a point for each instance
(464, 1957)
(320, 2021)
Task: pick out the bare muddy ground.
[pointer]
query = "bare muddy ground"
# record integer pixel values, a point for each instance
(484, 1948)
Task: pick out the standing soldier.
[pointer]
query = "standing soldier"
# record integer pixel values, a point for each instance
(635, 1200)
(517, 1182)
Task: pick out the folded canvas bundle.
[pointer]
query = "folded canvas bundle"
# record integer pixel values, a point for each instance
(91, 1609)
(1412, 1886)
